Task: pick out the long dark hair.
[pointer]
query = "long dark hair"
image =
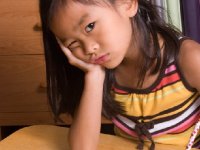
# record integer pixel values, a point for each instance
(65, 82)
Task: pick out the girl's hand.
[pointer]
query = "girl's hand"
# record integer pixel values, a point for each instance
(90, 105)
(86, 67)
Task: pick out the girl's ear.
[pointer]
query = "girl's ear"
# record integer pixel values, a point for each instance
(130, 7)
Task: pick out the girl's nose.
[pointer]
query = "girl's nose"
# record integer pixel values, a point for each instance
(91, 47)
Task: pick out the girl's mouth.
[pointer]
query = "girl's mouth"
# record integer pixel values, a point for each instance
(102, 59)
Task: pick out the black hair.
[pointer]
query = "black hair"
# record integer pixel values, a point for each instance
(65, 82)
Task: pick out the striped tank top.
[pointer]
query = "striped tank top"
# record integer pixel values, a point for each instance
(164, 113)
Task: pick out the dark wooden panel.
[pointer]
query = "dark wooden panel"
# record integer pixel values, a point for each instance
(20, 79)
(27, 118)
(17, 20)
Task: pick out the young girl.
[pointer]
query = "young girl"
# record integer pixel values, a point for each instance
(119, 58)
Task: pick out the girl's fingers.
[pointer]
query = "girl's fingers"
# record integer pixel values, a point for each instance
(64, 49)
(72, 59)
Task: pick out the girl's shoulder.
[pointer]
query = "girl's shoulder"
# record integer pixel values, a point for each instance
(189, 62)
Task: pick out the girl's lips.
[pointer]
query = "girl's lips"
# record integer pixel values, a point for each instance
(102, 59)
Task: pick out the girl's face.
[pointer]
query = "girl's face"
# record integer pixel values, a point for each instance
(99, 34)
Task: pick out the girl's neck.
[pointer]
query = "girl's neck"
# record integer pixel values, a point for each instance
(132, 58)
(128, 71)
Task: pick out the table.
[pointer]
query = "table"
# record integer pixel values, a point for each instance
(51, 137)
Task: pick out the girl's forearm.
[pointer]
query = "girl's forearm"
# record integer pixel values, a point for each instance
(85, 129)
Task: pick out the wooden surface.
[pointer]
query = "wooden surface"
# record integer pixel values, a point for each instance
(23, 99)
(17, 20)
(47, 137)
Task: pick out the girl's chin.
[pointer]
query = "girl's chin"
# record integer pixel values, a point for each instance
(110, 66)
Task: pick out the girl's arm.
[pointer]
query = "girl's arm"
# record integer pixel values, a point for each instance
(85, 128)
(189, 61)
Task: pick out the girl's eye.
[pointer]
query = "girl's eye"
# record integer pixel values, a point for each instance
(90, 27)
(73, 45)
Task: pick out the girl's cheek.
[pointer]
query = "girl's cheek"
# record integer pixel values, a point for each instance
(78, 54)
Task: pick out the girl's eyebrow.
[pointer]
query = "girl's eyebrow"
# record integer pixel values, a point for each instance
(82, 19)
